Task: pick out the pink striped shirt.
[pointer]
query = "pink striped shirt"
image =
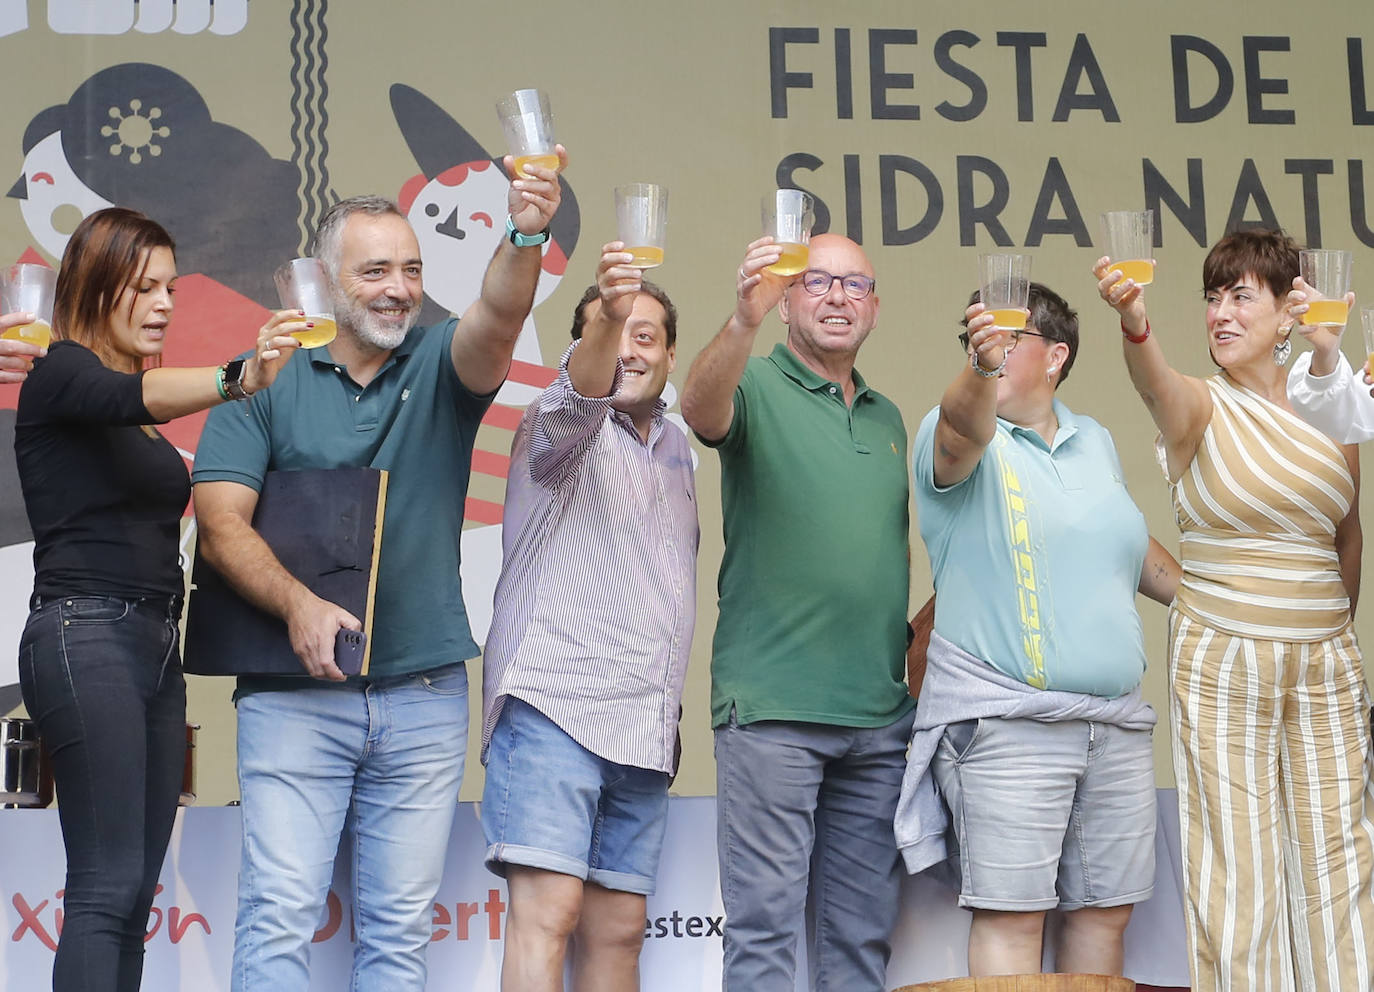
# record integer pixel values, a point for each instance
(593, 616)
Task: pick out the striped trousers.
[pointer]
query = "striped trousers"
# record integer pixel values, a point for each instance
(1272, 756)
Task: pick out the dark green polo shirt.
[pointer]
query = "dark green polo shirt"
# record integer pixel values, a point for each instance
(813, 585)
(416, 420)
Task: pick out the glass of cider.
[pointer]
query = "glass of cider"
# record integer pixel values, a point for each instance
(1328, 273)
(28, 288)
(1004, 289)
(303, 284)
(1128, 236)
(787, 217)
(641, 212)
(528, 125)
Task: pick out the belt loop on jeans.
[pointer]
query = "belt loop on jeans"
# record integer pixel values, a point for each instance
(35, 603)
(169, 606)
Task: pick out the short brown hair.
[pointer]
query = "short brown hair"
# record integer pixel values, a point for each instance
(1270, 256)
(107, 253)
(646, 287)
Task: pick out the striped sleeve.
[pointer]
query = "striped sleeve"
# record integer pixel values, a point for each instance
(563, 424)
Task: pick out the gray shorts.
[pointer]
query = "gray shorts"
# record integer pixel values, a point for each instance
(1049, 814)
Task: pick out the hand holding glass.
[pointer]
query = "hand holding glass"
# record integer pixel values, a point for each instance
(787, 218)
(1004, 289)
(1328, 273)
(528, 124)
(303, 285)
(641, 213)
(29, 288)
(1128, 237)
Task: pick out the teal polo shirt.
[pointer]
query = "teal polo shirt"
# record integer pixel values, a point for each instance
(1037, 556)
(416, 420)
(813, 585)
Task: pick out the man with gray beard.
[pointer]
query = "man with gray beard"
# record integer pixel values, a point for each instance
(384, 751)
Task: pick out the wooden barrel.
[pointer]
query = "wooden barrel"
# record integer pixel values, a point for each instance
(1027, 983)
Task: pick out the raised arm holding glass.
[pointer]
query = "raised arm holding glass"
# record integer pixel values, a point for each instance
(1270, 710)
(1322, 387)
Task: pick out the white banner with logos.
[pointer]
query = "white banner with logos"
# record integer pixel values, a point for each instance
(191, 930)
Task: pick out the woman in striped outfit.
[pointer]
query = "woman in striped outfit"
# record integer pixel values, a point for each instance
(1270, 709)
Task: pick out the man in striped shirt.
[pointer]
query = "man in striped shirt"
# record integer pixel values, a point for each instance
(589, 641)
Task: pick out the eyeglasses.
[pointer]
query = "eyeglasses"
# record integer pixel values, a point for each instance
(817, 282)
(1011, 345)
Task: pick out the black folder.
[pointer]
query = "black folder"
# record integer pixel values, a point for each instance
(325, 527)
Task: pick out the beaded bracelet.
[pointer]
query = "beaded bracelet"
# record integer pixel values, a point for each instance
(1127, 335)
(986, 373)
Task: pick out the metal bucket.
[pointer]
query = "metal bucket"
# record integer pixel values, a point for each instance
(25, 770)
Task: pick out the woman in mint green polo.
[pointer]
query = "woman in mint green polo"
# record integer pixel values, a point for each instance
(1031, 735)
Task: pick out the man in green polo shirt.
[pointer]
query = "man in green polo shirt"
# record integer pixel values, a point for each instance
(808, 698)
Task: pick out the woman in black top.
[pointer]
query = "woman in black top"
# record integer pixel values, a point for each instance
(98, 662)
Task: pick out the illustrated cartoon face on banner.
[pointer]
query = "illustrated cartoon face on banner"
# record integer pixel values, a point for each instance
(51, 194)
(141, 136)
(458, 205)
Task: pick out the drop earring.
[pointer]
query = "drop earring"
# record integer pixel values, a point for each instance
(1282, 351)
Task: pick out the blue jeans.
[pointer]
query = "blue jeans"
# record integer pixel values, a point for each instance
(386, 755)
(102, 678)
(805, 825)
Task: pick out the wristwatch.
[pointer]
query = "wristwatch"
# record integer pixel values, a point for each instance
(231, 378)
(524, 240)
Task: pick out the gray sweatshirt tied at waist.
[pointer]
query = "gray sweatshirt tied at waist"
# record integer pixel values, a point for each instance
(960, 687)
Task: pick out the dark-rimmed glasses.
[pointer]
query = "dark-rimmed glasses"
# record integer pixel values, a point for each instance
(1011, 345)
(817, 282)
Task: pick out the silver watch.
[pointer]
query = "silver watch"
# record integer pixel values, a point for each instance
(232, 377)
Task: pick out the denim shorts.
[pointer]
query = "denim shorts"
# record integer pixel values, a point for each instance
(550, 803)
(1049, 814)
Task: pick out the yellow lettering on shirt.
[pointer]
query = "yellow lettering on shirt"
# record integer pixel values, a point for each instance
(1023, 572)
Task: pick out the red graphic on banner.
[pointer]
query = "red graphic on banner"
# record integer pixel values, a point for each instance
(30, 921)
(458, 922)
(506, 418)
(210, 325)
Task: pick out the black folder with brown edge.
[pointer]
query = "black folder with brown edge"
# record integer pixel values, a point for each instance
(325, 527)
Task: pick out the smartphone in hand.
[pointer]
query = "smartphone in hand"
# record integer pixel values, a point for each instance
(349, 647)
